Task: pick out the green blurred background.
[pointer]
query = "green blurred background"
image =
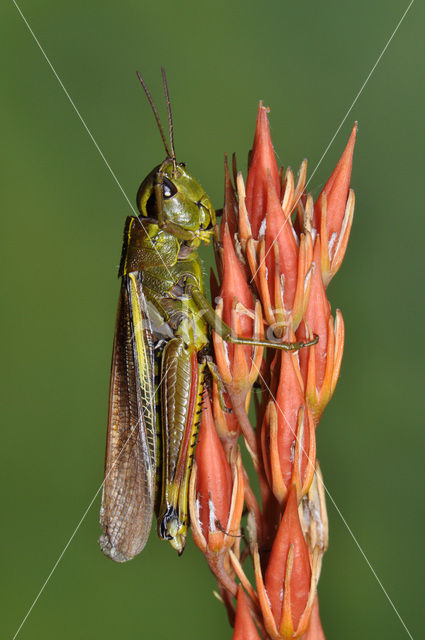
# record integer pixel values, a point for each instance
(62, 219)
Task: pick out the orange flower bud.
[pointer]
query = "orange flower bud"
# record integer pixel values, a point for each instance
(287, 594)
(287, 436)
(234, 286)
(216, 490)
(263, 163)
(281, 249)
(320, 364)
(333, 212)
(245, 628)
(289, 537)
(235, 362)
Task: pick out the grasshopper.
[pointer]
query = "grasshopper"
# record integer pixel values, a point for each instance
(160, 352)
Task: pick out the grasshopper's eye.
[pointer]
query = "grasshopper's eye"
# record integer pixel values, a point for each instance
(168, 188)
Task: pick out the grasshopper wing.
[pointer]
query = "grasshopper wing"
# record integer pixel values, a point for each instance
(131, 450)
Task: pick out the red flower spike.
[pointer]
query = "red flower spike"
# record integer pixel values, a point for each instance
(290, 263)
(333, 212)
(315, 629)
(286, 597)
(263, 162)
(245, 628)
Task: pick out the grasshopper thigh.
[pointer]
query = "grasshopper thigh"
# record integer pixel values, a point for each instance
(181, 399)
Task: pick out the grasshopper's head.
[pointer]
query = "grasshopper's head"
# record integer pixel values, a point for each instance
(172, 196)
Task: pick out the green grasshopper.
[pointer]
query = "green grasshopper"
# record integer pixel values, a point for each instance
(161, 337)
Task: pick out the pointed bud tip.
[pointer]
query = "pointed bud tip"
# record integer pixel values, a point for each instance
(244, 625)
(262, 160)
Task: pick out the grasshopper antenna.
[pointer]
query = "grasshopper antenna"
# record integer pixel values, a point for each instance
(158, 121)
(170, 117)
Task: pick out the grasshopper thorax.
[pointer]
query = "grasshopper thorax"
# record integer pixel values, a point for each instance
(171, 196)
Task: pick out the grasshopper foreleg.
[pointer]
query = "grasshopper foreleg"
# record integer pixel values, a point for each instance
(225, 332)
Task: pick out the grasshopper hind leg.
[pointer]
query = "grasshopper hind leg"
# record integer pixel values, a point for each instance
(181, 404)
